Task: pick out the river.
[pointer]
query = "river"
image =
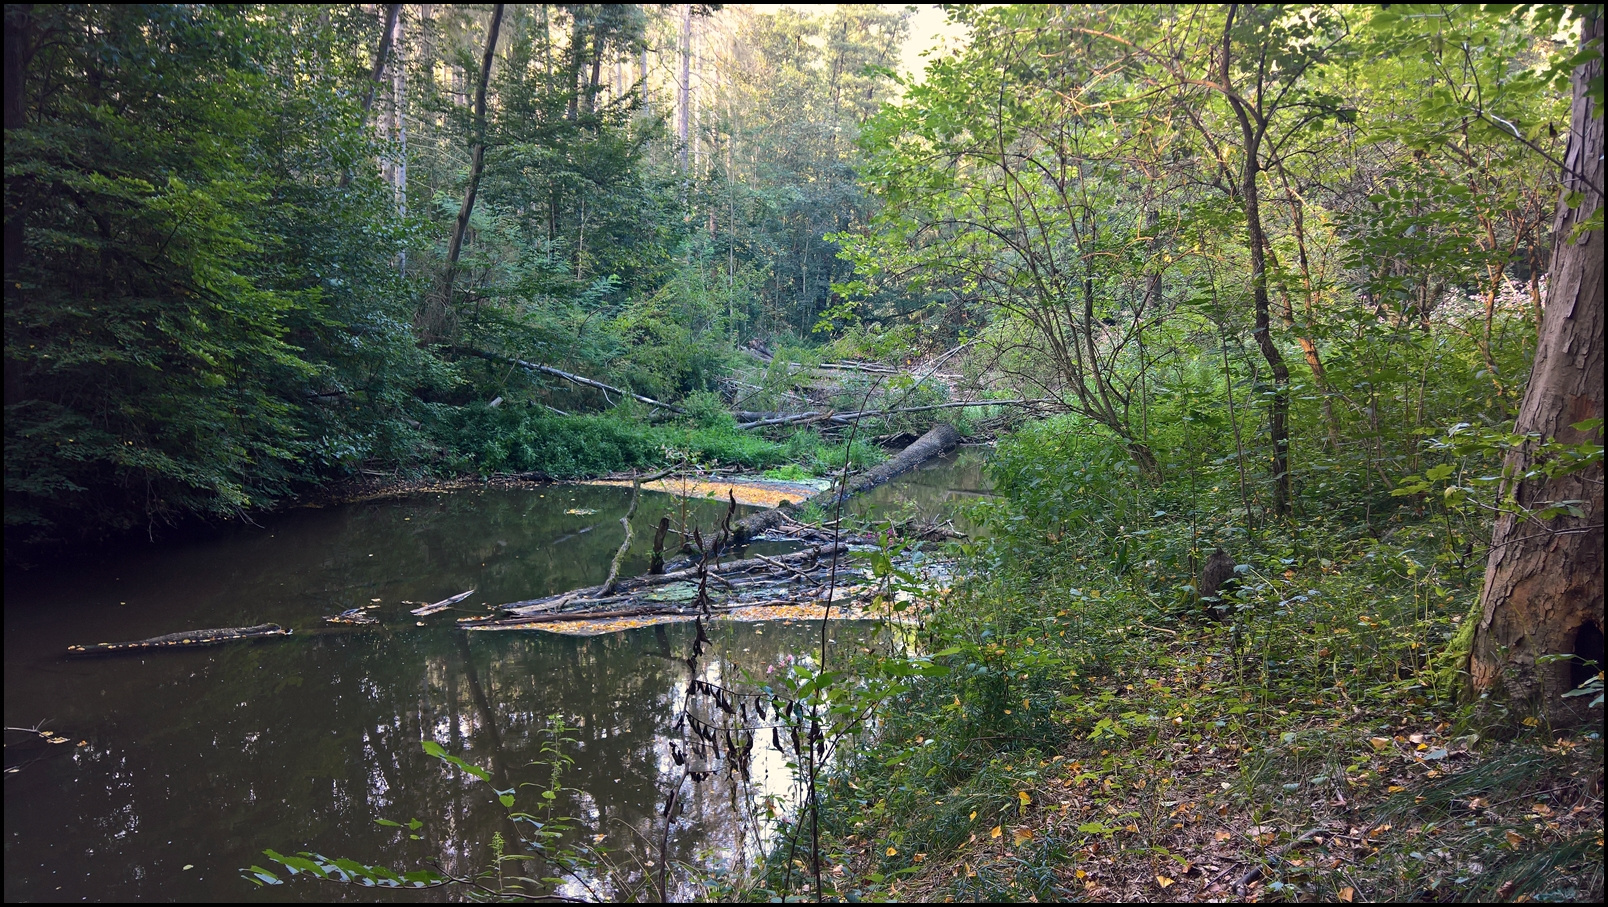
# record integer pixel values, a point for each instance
(179, 768)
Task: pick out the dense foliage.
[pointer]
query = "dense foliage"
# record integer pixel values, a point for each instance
(1277, 272)
(228, 231)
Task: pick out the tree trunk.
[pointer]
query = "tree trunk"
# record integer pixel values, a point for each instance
(938, 440)
(1544, 581)
(387, 37)
(477, 164)
(1278, 428)
(1253, 129)
(685, 87)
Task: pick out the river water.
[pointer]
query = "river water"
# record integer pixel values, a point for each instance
(180, 767)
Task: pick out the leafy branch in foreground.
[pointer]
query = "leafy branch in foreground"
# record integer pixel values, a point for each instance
(548, 835)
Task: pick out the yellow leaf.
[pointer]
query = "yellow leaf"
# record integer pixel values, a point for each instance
(974, 815)
(1395, 789)
(917, 858)
(998, 831)
(893, 851)
(1163, 881)
(1532, 721)
(1379, 743)
(1347, 893)
(1022, 796)
(1079, 873)
(1514, 838)
(1020, 836)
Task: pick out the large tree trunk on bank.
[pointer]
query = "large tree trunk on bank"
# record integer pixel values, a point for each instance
(1544, 581)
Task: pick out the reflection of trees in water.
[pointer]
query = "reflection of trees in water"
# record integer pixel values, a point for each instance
(329, 740)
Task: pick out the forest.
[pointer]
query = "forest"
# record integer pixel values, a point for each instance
(1281, 325)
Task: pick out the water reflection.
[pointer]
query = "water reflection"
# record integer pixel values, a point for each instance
(204, 758)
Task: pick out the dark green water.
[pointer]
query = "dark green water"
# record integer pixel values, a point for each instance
(203, 758)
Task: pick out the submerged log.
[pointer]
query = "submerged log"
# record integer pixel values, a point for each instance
(187, 639)
(941, 439)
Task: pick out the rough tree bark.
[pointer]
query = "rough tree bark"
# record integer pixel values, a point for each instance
(1544, 581)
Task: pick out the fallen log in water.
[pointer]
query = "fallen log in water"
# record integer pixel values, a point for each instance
(783, 586)
(745, 571)
(187, 639)
(443, 604)
(941, 439)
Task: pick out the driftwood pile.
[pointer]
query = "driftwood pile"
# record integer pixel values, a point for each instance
(709, 587)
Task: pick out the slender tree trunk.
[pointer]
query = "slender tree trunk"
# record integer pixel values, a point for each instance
(576, 61)
(1543, 590)
(381, 57)
(433, 324)
(1309, 347)
(685, 87)
(1253, 128)
(387, 38)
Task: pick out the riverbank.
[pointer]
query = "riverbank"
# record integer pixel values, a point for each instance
(1094, 740)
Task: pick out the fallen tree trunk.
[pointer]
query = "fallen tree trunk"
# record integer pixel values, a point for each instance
(590, 596)
(187, 639)
(724, 592)
(764, 419)
(575, 379)
(941, 439)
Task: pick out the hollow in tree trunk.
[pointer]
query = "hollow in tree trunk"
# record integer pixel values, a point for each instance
(1543, 590)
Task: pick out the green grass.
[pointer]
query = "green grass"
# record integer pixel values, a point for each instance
(513, 438)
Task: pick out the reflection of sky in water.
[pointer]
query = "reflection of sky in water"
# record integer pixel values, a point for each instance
(207, 757)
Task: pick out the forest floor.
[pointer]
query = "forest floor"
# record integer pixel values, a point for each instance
(1342, 799)
(1119, 749)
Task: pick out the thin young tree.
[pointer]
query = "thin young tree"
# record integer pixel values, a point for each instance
(436, 315)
